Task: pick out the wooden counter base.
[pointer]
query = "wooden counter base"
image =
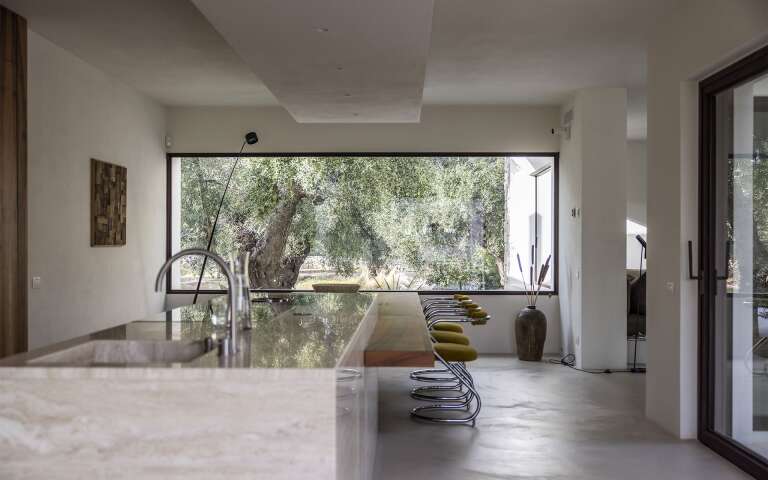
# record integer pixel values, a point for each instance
(400, 338)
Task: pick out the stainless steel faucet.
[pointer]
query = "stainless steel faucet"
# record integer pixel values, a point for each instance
(229, 344)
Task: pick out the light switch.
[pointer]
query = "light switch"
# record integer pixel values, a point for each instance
(36, 281)
(671, 286)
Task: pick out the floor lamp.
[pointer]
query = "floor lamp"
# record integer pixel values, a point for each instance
(250, 138)
(643, 248)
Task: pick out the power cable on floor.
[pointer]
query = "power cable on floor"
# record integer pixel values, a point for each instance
(570, 362)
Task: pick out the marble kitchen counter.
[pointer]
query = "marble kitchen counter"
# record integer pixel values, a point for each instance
(298, 401)
(302, 330)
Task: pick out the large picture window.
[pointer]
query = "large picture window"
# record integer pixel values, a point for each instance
(385, 221)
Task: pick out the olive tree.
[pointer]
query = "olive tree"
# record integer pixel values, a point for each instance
(440, 217)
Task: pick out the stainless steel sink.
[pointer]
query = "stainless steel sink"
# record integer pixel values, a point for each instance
(122, 352)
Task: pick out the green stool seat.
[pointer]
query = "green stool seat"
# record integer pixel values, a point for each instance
(478, 316)
(448, 327)
(451, 352)
(450, 337)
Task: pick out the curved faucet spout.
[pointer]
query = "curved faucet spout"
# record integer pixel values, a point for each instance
(230, 345)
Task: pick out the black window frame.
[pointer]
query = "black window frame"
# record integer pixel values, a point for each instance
(748, 68)
(556, 214)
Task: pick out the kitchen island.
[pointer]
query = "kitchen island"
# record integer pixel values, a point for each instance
(153, 399)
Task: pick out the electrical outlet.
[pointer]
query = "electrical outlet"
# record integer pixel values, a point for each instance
(671, 286)
(36, 281)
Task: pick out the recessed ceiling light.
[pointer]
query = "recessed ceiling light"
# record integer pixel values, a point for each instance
(339, 68)
(321, 30)
(347, 94)
(355, 114)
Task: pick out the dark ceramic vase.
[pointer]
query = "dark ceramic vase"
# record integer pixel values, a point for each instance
(530, 333)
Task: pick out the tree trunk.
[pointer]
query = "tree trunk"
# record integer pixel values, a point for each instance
(291, 265)
(502, 271)
(269, 267)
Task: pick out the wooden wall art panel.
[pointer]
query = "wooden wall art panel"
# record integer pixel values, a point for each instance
(109, 201)
(13, 183)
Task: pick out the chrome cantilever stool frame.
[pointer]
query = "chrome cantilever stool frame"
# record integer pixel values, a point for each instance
(228, 346)
(454, 373)
(449, 403)
(444, 310)
(424, 375)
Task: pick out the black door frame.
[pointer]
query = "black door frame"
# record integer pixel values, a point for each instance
(744, 70)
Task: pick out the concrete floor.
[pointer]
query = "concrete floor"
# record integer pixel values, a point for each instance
(539, 421)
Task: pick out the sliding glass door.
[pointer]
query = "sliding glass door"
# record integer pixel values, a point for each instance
(734, 256)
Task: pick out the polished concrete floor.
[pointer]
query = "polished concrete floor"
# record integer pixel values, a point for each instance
(539, 421)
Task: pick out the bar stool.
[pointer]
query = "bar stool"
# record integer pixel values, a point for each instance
(443, 300)
(442, 315)
(437, 375)
(453, 357)
(457, 305)
(476, 316)
(447, 332)
(439, 336)
(456, 390)
(448, 327)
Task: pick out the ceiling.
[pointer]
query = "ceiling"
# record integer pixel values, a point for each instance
(333, 60)
(163, 48)
(499, 52)
(533, 51)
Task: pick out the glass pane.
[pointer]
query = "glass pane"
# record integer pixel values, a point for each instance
(384, 222)
(198, 185)
(741, 260)
(530, 219)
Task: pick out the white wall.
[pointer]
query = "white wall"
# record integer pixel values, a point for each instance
(594, 163)
(693, 40)
(570, 236)
(442, 129)
(76, 112)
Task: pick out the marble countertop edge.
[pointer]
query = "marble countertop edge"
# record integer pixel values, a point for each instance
(169, 373)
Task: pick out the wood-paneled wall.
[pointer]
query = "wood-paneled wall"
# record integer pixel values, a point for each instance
(13, 183)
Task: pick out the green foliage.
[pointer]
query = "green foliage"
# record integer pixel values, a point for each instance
(478, 272)
(440, 220)
(760, 210)
(747, 179)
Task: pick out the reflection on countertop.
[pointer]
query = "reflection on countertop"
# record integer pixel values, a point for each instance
(298, 330)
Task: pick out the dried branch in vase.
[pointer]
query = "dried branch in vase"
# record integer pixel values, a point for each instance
(532, 288)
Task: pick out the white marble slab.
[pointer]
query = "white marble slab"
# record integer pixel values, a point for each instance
(279, 413)
(276, 424)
